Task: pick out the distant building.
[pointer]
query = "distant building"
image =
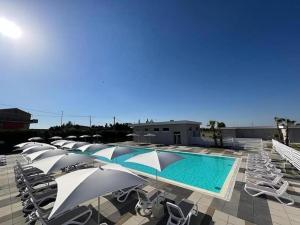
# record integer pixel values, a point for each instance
(263, 132)
(15, 119)
(169, 132)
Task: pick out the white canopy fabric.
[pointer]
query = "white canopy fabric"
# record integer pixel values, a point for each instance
(55, 138)
(69, 145)
(56, 141)
(35, 139)
(155, 159)
(33, 156)
(149, 135)
(61, 142)
(45, 153)
(91, 147)
(74, 145)
(29, 144)
(113, 152)
(114, 166)
(85, 136)
(23, 144)
(82, 185)
(132, 135)
(71, 137)
(36, 148)
(55, 163)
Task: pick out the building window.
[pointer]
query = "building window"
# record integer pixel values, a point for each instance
(190, 128)
(156, 129)
(146, 129)
(166, 129)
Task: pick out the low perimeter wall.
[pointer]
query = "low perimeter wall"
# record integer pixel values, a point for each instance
(257, 132)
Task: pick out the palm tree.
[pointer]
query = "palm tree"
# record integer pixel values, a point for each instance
(219, 126)
(212, 126)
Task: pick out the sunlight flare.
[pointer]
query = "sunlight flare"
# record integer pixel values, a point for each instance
(9, 29)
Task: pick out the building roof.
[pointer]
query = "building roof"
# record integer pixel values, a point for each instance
(171, 122)
(250, 127)
(8, 110)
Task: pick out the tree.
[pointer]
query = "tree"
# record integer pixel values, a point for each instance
(219, 126)
(212, 126)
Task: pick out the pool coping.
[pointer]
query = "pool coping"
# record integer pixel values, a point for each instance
(228, 185)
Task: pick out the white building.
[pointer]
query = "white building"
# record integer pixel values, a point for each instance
(170, 132)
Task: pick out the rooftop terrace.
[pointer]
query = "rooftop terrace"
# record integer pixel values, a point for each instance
(241, 209)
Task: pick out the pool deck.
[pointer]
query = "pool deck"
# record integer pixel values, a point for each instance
(241, 209)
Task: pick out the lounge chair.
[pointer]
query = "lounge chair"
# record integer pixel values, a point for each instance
(40, 199)
(272, 181)
(257, 190)
(181, 214)
(38, 188)
(147, 200)
(272, 170)
(41, 180)
(79, 215)
(123, 194)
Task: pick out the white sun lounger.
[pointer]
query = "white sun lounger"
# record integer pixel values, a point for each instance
(123, 194)
(272, 181)
(257, 190)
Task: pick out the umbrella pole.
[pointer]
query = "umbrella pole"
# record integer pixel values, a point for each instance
(156, 188)
(98, 210)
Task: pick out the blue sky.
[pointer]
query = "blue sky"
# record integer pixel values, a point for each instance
(232, 61)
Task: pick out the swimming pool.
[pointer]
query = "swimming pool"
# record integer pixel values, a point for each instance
(194, 170)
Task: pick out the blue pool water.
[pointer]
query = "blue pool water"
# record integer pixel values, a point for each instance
(200, 171)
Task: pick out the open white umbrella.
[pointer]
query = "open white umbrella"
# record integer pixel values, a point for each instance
(73, 145)
(38, 148)
(158, 160)
(91, 147)
(82, 185)
(132, 135)
(149, 135)
(60, 142)
(55, 138)
(45, 154)
(32, 144)
(85, 136)
(113, 152)
(23, 144)
(35, 139)
(71, 137)
(56, 141)
(30, 157)
(55, 163)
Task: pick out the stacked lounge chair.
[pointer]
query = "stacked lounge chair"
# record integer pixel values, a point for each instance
(263, 178)
(38, 193)
(2, 160)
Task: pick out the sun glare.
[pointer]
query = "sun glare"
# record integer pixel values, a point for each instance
(10, 29)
